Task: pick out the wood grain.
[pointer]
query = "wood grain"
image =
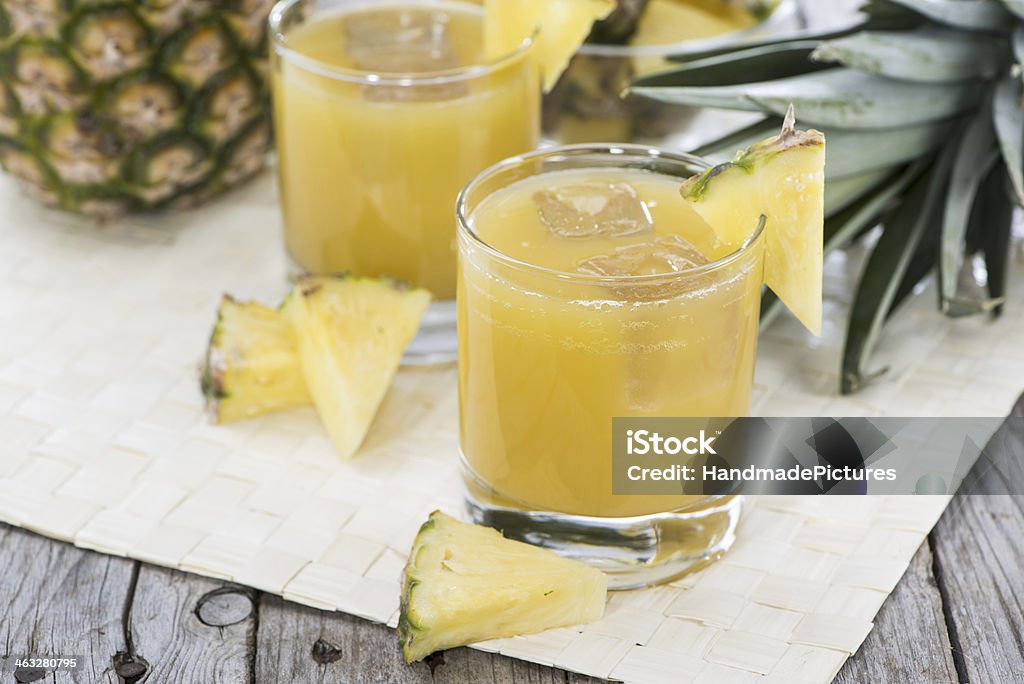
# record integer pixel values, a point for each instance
(979, 561)
(348, 649)
(909, 642)
(57, 600)
(167, 631)
(293, 641)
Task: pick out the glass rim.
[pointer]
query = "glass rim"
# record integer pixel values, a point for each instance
(457, 74)
(786, 9)
(612, 150)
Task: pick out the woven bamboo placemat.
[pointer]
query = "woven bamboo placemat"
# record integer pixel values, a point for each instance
(104, 444)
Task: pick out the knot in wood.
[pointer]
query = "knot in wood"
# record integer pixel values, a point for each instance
(223, 607)
(325, 652)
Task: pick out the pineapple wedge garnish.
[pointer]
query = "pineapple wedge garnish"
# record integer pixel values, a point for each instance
(466, 583)
(350, 334)
(782, 178)
(561, 26)
(251, 367)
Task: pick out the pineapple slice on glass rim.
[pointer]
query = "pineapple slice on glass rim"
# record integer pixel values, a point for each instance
(559, 26)
(782, 178)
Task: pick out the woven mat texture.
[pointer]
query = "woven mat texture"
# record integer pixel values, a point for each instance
(104, 444)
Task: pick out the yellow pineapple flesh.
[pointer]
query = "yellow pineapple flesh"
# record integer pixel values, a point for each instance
(251, 366)
(350, 334)
(561, 27)
(783, 179)
(465, 583)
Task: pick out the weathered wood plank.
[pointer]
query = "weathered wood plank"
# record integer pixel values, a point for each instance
(979, 548)
(909, 642)
(462, 665)
(193, 629)
(58, 600)
(979, 559)
(300, 644)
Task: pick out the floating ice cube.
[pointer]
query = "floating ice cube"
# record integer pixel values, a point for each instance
(593, 208)
(402, 42)
(665, 254)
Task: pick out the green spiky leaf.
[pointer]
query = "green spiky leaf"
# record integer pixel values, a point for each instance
(763, 63)
(995, 213)
(975, 154)
(840, 98)
(927, 55)
(886, 267)
(979, 15)
(1008, 118)
(913, 77)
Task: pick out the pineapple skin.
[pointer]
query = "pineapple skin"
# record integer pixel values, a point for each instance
(125, 106)
(465, 583)
(251, 365)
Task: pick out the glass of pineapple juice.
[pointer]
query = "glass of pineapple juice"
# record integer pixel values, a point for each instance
(589, 290)
(383, 111)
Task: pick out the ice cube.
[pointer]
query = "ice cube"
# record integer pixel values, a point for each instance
(593, 208)
(662, 255)
(402, 42)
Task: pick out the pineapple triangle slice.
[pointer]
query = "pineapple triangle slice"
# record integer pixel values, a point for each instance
(466, 583)
(563, 26)
(782, 178)
(350, 334)
(251, 367)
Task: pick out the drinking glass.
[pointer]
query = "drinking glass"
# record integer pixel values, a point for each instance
(548, 358)
(383, 111)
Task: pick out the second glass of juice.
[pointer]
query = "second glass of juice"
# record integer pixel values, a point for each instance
(383, 111)
(589, 290)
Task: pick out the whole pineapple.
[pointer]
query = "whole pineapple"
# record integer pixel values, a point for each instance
(921, 103)
(108, 107)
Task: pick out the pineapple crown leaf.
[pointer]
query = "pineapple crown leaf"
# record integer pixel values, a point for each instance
(889, 91)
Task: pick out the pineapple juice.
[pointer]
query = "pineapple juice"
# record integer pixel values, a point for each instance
(383, 112)
(589, 294)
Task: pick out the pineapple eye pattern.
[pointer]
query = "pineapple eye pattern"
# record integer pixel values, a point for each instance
(231, 104)
(145, 107)
(35, 180)
(40, 18)
(45, 82)
(132, 106)
(201, 55)
(110, 43)
(81, 152)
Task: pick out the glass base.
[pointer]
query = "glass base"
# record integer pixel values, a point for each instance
(436, 341)
(633, 552)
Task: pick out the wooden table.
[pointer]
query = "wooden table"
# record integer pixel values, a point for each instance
(956, 616)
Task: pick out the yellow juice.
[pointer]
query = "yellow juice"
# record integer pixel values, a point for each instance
(618, 313)
(369, 167)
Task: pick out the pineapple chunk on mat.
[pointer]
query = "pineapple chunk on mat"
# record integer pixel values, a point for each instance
(465, 583)
(251, 367)
(782, 178)
(350, 334)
